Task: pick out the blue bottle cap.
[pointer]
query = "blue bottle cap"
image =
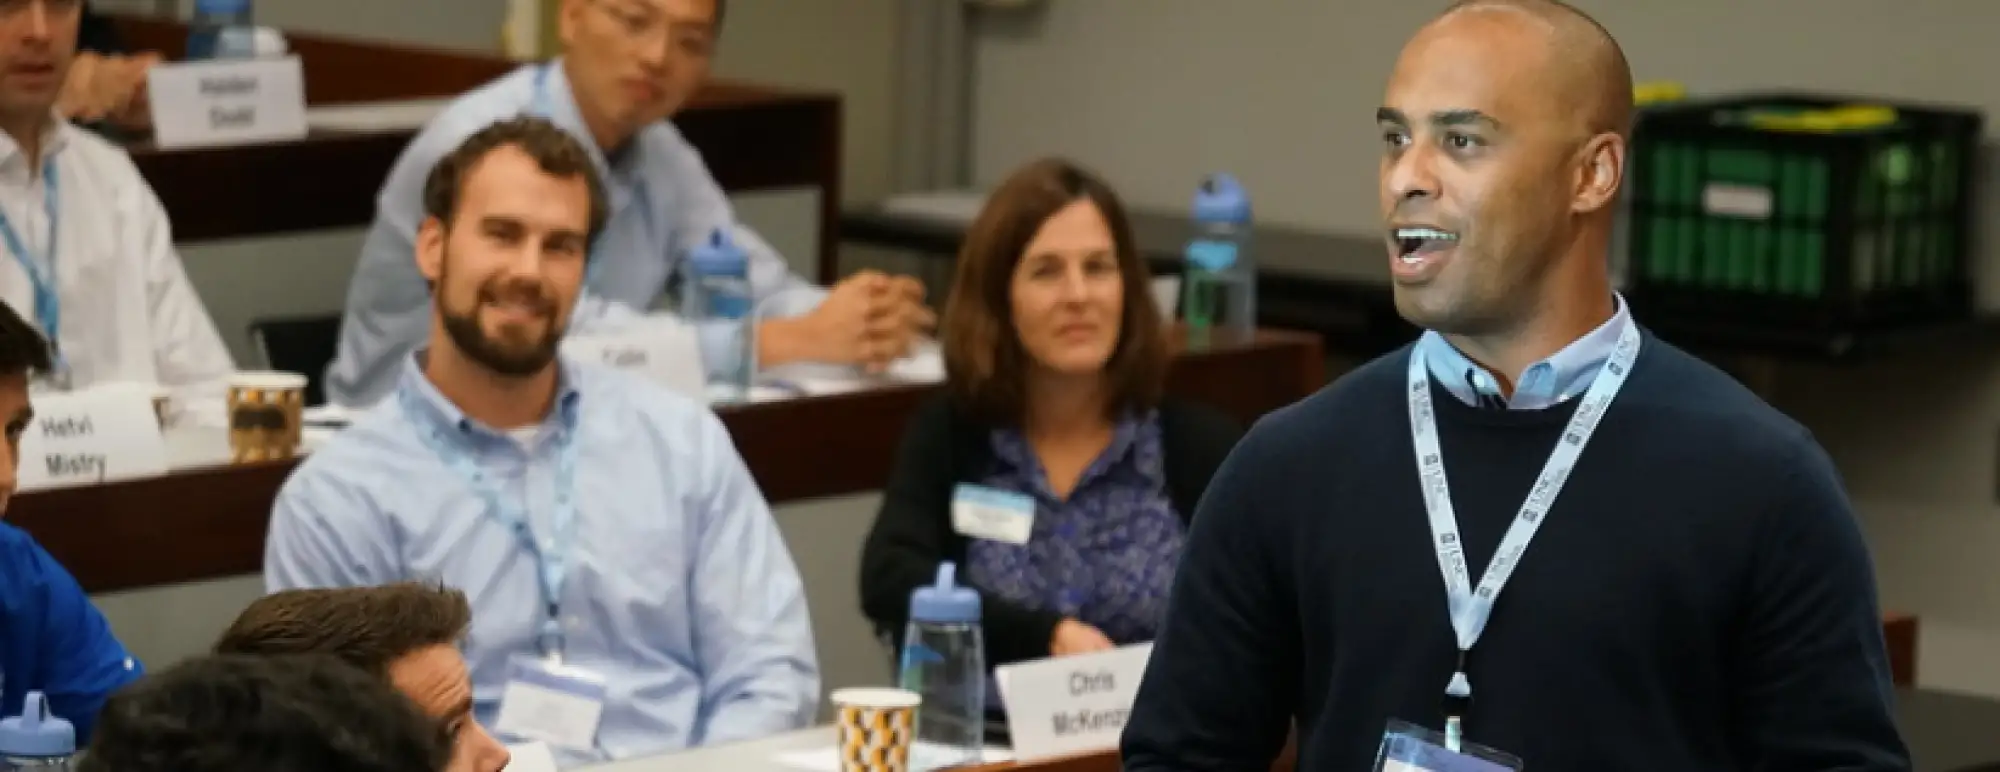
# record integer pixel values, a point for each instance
(221, 6)
(946, 601)
(719, 255)
(36, 733)
(1221, 199)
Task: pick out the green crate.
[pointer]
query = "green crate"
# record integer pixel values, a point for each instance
(1802, 211)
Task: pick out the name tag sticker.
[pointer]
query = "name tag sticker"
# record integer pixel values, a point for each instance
(91, 436)
(1071, 705)
(551, 703)
(1407, 747)
(980, 512)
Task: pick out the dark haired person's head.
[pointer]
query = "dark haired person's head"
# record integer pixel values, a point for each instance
(24, 356)
(300, 713)
(1051, 292)
(508, 220)
(406, 634)
(633, 62)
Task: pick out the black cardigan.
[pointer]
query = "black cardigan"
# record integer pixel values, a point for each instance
(944, 447)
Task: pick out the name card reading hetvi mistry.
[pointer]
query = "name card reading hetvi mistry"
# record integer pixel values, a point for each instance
(227, 102)
(89, 437)
(1070, 705)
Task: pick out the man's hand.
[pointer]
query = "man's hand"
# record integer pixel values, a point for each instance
(1073, 637)
(869, 319)
(108, 88)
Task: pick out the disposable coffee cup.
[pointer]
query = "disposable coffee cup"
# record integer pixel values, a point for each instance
(265, 412)
(877, 727)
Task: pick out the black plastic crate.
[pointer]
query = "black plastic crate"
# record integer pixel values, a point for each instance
(1804, 212)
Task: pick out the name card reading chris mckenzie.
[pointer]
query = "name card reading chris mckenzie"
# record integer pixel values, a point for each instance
(1070, 705)
(227, 101)
(85, 437)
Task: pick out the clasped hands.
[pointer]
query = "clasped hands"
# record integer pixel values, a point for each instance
(869, 319)
(108, 88)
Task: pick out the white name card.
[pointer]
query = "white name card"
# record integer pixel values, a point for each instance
(1070, 705)
(89, 437)
(663, 350)
(227, 102)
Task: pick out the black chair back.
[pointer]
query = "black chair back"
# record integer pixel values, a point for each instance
(299, 344)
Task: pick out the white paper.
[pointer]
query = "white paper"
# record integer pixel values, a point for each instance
(227, 102)
(828, 759)
(951, 206)
(531, 757)
(89, 437)
(1071, 705)
(662, 349)
(556, 705)
(396, 115)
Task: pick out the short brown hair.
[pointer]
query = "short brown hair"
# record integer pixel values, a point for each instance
(368, 627)
(555, 151)
(984, 363)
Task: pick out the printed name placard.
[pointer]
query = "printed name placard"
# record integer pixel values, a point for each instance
(1069, 705)
(663, 350)
(227, 101)
(89, 437)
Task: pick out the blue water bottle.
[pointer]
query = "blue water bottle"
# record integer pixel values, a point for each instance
(717, 301)
(944, 660)
(1219, 280)
(37, 739)
(220, 29)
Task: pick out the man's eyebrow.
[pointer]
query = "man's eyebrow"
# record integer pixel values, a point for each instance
(1390, 115)
(1463, 118)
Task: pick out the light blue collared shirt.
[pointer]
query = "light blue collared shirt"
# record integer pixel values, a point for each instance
(663, 202)
(1546, 383)
(680, 589)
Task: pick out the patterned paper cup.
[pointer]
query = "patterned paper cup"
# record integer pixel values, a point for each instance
(877, 727)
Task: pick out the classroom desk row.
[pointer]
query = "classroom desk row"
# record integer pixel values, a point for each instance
(206, 521)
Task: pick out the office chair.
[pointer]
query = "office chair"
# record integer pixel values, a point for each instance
(299, 344)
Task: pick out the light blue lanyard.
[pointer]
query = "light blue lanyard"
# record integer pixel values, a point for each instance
(41, 273)
(1470, 607)
(551, 557)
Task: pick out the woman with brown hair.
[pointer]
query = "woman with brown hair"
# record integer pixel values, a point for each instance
(1051, 470)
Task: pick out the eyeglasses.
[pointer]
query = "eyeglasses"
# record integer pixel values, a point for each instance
(641, 25)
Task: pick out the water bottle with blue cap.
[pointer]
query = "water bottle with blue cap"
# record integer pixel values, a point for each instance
(944, 660)
(37, 739)
(220, 29)
(717, 301)
(1219, 280)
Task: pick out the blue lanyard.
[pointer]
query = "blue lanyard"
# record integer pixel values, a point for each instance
(1470, 607)
(41, 273)
(551, 557)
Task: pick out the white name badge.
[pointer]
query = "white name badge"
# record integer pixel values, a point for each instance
(91, 436)
(551, 703)
(663, 351)
(980, 512)
(227, 102)
(1407, 747)
(531, 757)
(1070, 705)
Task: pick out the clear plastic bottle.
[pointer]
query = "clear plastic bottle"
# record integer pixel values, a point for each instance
(944, 660)
(1219, 278)
(37, 739)
(718, 303)
(220, 29)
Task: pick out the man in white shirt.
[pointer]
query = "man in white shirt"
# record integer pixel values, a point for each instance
(90, 255)
(628, 65)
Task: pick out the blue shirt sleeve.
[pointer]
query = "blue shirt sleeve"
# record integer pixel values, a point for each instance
(77, 662)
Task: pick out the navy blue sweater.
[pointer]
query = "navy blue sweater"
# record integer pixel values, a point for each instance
(1699, 597)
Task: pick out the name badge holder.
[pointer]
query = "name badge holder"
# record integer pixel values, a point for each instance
(1472, 606)
(991, 514)
(1407, 747)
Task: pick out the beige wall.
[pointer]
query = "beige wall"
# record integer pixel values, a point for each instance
(1157, 92)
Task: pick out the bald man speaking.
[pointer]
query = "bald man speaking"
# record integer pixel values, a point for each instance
(1538, 536)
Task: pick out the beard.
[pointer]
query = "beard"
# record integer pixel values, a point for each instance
(516, 355)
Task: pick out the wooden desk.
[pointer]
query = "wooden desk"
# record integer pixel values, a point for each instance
(752, 137)
(209, 523)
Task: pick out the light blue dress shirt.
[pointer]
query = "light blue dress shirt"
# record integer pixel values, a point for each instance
(1546, 383)
(680, 590)
(663, 202)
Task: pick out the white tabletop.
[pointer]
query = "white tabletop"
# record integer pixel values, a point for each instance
(752, 756)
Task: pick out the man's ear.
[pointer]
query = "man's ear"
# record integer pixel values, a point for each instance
(430, 248)
(1600, 171)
